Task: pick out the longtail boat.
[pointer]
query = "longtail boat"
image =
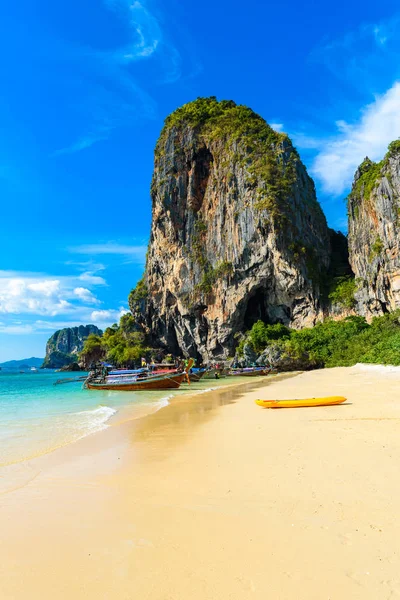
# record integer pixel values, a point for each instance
(136, 383)
(250, 372)
(196, 375)
(137, 380)
(163, 368)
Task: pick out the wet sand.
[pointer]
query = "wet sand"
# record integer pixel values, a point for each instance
(215, 498)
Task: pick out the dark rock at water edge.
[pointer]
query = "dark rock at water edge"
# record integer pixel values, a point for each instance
(275, 356)
(72, 367)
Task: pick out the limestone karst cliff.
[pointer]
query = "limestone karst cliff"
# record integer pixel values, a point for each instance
(374, 230)
(64, 345)
(237, 233)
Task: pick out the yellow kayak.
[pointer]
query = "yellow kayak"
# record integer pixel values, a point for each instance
(296, 403)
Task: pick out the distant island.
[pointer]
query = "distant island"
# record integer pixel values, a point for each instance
(64, 346)
(62, 350)
(24, 363)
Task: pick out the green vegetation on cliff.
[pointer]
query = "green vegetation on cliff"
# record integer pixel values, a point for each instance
(139, 293)
(57, 359)
(64, 345)
(343, 291)
(221, 119)
(122, 345)
(268, 155)
(93, 351)
(371, 174)
(211, 275)
(262, 335)
(334, 343)
(376, 248)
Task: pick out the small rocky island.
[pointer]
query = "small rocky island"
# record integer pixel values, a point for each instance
(64, 346)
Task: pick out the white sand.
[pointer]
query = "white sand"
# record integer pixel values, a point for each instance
(209, 499)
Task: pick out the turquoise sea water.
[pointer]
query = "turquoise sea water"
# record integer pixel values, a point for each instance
(37, 416)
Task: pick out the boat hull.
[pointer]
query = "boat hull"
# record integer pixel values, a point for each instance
(196, 376)
(162, 383)
(249, 373)
(301, 403)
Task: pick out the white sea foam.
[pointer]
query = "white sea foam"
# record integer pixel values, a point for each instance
(45, 435)
(163, 402)
(91, 421)
(206, 390)
(159, 404)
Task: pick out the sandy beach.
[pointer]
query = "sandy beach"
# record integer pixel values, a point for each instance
(215, 498)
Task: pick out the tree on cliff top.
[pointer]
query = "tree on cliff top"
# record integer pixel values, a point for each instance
(120, 344)
(218, 119)
(93, 351)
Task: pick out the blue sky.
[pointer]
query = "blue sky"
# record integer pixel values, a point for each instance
(84, 89)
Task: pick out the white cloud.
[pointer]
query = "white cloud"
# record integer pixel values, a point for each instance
(40, 294)
(277, 126)
(85, 295)
(144, 26)
(27, 295)
(16, 329)
(136, 253)
(340, 155)
(47, 287)
(36, 303)
(107, 316)
(92, 279)
(40, 327)
(102, 316)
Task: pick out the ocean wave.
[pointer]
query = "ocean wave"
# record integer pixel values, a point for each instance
(45, 435)
(94, 420)
(165, 401)
(159, 404)
(206, 390)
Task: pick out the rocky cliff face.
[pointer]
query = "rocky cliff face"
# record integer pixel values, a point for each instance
(374, 229)
(237, 233)
(64, 345)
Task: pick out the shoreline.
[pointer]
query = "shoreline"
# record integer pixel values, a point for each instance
(124, 413)
(13, 474)
(218, 498)
(109, 409)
